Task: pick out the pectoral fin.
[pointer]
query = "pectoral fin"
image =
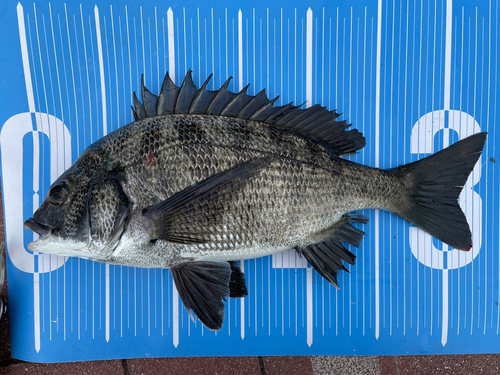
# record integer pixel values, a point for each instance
(191, 215)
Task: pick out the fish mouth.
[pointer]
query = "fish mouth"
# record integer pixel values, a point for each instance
(42, 230)
(49, 243)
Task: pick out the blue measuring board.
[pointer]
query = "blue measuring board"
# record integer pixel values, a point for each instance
(414, 77)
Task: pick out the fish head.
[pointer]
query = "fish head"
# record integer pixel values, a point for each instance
(62, 221)
(84, 213)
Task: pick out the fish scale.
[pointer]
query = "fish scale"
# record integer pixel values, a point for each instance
(203, 178)
(313, 199)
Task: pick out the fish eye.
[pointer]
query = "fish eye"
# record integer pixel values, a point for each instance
(58, 195)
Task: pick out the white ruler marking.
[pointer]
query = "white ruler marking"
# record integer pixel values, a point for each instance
(240, 87)
(101, 70)
(447, 92)
(32, 109)
(309, 79)
(105, 131)
(171, 44)
(171, 68)
(377, 164)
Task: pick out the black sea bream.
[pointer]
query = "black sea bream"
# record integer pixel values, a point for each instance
(204, 178)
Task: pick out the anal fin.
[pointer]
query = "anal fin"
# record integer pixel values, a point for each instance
(326, 257)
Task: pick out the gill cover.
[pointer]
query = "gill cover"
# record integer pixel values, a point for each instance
(109, 213)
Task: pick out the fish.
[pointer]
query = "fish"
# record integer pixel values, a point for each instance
(202, 179)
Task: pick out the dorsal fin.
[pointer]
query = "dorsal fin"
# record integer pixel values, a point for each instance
(315, 123)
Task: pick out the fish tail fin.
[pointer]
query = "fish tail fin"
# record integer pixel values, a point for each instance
(434, 186)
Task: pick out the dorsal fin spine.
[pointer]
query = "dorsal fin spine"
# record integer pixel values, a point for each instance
(149, 100)
(168, 97)
(134, 113)
(253, 101)
(283, 108)
(255, 115)
(306, 114)
(311, 123)
(219, 93)
(186, 94)
(139, 109)
(227, 110)
(199, 93)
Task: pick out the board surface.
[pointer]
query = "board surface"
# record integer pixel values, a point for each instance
(413, 77)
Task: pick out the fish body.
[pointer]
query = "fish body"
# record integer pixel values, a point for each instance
(204, 178)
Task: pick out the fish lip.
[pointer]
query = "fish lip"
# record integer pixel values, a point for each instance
(41, 229)
(48, 243)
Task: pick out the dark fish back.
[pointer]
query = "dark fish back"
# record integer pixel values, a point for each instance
(315, 123)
